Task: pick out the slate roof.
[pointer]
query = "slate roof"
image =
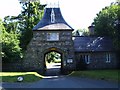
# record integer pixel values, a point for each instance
(89, 43)
(46, 24)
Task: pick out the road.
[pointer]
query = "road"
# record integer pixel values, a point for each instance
(62, 81)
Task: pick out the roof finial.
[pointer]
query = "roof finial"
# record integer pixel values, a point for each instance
(53, 4)
(58, 3)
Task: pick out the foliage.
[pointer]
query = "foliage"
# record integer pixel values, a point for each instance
(85, 32)
(107, 21)
(2, 28)
(10, 45)
(17, 31)
(11, 25)
(81, 32)
(52, 57)
(31, 14)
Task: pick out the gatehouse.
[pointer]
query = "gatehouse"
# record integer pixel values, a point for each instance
(52, 33)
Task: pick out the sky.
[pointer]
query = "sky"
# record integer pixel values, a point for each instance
(79, 14)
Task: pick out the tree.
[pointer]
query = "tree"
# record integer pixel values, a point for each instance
(81, 32)
(105, 23)
(2, 28)
(52, 57)
(17, 30)
(31, 14)
(10, 45)
(11, 24)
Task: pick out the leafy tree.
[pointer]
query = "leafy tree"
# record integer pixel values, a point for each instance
(81, 32)
(2, 28)
(11, 24)
(17, 30)
(10, 45)
(52, 56)
(31, 14)
(85, 32)
(107, 22)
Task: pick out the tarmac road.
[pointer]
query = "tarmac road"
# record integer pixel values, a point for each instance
(63, 82)
(54, 80)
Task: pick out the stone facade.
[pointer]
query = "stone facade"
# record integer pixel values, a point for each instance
(97, 60)
(52, 33)
(39, 46)
(12, 66)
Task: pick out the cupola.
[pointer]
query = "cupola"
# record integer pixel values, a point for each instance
(52, 20)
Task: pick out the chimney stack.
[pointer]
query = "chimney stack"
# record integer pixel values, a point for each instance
(91, 30)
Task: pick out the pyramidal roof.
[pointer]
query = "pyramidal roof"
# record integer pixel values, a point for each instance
(52, 20)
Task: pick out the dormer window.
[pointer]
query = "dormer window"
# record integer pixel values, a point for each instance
(52, 16)
(52, 36)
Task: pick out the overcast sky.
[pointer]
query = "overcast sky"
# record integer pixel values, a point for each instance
(77, 13)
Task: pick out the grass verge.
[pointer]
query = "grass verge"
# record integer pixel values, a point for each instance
(111, 75)
(12, 76)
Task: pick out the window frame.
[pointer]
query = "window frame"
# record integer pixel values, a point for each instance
(50, 36)
(87, 59)
(108, 57)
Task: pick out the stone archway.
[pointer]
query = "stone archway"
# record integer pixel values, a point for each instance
(54, 70)
(55, 35)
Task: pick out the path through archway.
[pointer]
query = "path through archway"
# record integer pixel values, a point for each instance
(53, 63)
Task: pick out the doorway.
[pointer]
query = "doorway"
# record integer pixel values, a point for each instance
(53, 63)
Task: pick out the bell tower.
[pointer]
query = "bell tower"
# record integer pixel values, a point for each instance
(52, 33)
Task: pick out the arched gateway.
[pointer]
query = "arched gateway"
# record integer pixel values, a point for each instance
(52, 33)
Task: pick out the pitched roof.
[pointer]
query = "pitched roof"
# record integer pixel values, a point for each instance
(88, 43)
(52, 20)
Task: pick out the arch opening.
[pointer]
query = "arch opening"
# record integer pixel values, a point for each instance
(53, 62)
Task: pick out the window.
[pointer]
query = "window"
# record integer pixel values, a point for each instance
(52, 16)
(108, 58)
(52, 36)
(87, 59)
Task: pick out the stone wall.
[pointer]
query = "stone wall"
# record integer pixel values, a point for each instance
(39, 45)
(98, 60)
(13, 66)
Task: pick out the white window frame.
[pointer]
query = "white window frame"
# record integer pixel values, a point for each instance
(52, 16)
(108, 57)
(87, 59)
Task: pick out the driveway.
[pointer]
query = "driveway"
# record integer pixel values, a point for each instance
(53, 79)
(63, 82)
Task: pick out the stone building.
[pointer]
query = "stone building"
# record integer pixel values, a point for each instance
(96, 52)
(52, 33)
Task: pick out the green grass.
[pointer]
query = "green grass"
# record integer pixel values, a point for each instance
(27, 76)
(112, 75)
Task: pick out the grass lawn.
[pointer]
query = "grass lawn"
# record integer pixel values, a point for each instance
(12, 76)
(112, 75)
